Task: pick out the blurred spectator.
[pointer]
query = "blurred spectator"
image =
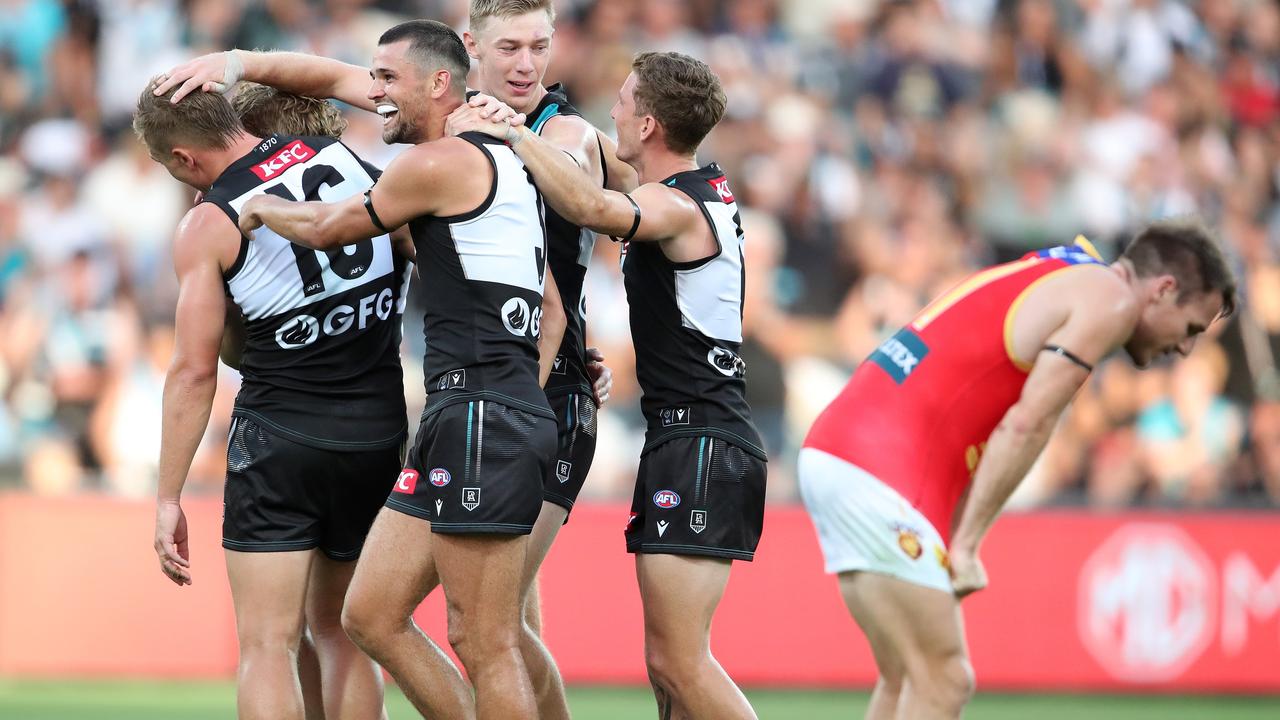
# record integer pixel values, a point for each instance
(879, 149)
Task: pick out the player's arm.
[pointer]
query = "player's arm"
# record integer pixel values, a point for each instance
(423, 180)
(298, 73)
(652, 212)
(576, 138)
(553, 324)
(1093, 328)
(192, 377)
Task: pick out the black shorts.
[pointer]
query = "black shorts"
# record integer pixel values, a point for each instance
(698, 496)
(282, 496)
(575, 448)
(477, 467)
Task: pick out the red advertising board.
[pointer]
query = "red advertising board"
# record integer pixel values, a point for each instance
(1133, 601)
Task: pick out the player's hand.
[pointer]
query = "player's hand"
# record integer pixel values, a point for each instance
(967, 574)
(250, 220)
(484, 114)
(215, 72)
(171, 542)
(600, 374)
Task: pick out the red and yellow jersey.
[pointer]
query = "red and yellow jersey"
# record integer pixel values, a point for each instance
(918, 411)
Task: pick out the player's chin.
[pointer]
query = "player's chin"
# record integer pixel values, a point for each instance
(1140, 358)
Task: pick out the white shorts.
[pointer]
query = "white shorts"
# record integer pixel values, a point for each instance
(863, 524)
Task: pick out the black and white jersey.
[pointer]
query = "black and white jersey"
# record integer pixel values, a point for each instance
(569, 250)
(482, 274)
(321, 363)
(686, 323)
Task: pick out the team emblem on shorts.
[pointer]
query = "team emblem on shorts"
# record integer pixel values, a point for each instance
(666, 499)
(909, 541)
(698, 520)
(563, 467)
(471, 498)
(943, 558)
(662, 527)
(439, 477)
(407, 482)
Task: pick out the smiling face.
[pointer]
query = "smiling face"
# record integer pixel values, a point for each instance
(1169, 326)
(402, 93)
(513, 55)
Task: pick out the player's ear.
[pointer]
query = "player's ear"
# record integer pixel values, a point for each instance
(1167, 285)
(648, 127)
(440, 83)
(184, 158)
(473, 45)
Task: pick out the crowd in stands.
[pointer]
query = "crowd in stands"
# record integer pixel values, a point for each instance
(880, 151)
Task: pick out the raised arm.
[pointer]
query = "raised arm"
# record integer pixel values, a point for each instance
(444, 177)
(1101, 319)
(298, 73)
(192, 378)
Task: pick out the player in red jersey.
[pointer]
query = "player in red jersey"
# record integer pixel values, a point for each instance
(906, 470)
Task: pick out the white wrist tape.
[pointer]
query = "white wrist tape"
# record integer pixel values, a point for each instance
(231, 73)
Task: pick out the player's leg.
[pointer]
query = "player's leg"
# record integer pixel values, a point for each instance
(357, 486)
(575, 449)
(309, 678)
(893, 577)
(892, 673)
(544, 676)
(268, 590)
(481, 575)
(917, 635)
(680, 595)
(351, 682)
(396, 570)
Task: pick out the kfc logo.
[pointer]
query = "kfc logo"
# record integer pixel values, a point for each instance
(721, 185)
(1147, 603)
(407, 482)
(294, 152)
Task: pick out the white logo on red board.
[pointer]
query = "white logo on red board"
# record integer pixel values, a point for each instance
(407, 482)
(721, 186)
(292, 153)
(1147, 602)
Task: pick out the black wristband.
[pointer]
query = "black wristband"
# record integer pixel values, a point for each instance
(635, 225)
(368, 206)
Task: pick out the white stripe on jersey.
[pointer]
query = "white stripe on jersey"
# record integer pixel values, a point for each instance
(710, 295)
(504, 243)
(270, 282)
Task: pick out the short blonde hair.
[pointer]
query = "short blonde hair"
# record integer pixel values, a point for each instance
(203, 120)
(265, 110)
(482, 10)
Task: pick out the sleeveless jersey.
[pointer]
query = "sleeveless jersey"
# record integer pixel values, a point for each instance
(686, 324)
(569, 250)
(483, 272)
(321, 363)
(918, 411)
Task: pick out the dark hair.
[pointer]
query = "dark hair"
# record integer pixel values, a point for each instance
(1185, 250)
(265, 110)
(201, 119)
(682, 93)
(432, 46)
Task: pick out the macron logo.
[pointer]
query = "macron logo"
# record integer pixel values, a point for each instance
(286, 156)
(721, 185)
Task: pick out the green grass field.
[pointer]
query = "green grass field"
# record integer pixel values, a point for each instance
(204, 701)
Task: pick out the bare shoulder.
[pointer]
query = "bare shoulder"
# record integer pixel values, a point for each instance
(205, 233)
(569, 131)
(1099, 297)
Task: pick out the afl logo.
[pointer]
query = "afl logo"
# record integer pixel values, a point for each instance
(301, 331)
(666, 499)
(515, 316)
(439, 477)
